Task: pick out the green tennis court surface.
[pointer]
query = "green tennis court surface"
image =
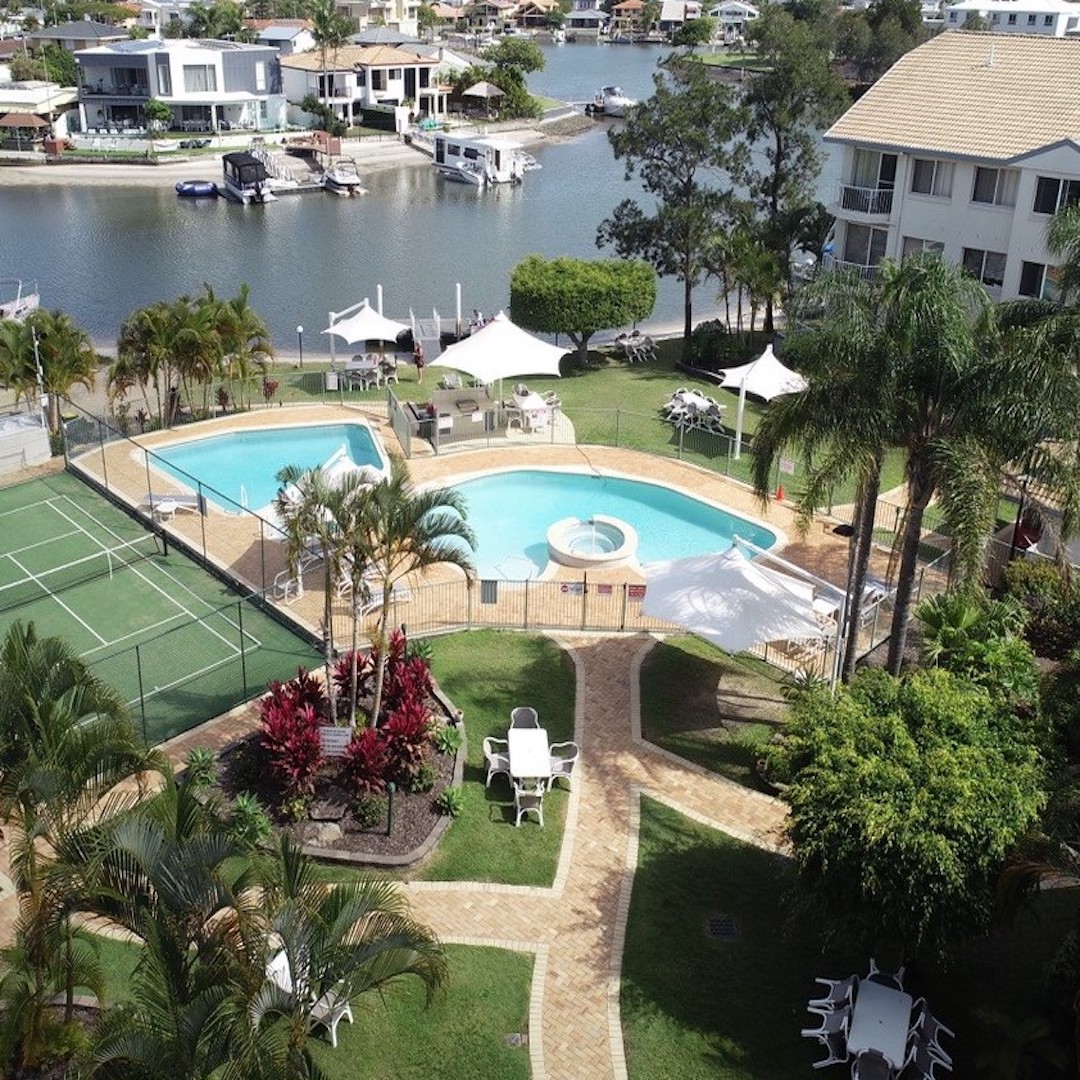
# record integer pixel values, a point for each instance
(175, 641)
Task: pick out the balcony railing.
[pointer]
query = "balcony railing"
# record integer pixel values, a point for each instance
(861, 200)
(101, 90)
(829, 262)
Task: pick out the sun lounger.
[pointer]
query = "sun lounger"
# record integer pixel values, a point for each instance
(166, 505)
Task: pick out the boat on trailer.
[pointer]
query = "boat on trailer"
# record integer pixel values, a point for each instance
(16, 300)
(245, 179)
(480, 159)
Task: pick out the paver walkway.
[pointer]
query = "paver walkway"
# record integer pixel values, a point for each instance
(576, 928)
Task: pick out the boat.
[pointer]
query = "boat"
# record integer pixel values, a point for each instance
(245, 179)
(342, 178)
(610, 101)
(558, 36)
(196, 189)
(479, 160)
(16, 301)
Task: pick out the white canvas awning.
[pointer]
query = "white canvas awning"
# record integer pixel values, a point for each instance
(501, 350)
(731, 601)
(765, 378)
(366, 325)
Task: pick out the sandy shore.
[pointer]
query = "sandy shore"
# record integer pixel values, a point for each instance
(371, 154)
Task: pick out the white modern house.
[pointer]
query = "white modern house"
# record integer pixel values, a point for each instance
(1052, 18)
(733, 18)
(155, 16)
(209, 85)
(966, 146)
(288, 36)
(396, 14)
(586, 19)
(360, 77)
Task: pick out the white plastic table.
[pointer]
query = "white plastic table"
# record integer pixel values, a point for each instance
(880, 1021)
(529, 755)
(534, 408)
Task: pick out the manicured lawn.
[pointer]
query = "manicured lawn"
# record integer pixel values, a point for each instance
(708, 707)
(118, 959)
(487, 673)
(746, 61)
(705, 1009)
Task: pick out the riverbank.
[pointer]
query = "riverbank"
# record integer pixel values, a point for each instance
(372, 154)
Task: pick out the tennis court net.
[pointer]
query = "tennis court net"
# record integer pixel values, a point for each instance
(33, 585)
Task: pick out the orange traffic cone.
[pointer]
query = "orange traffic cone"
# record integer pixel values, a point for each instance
(779, 492)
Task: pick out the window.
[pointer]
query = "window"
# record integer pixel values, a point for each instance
(1051, 194)
(929, 177)
(995, 17)
(1048, 20)
(394, 73)
(361, 77)
(1012, 20)
(985, 266)
(996, 186)
(164, 80)
(260, 74)
(199, 78)
(1031, 20)
(952, 16)
(913, 245)
(1039, 281)
(378, 79)
(863, 245)
(425, 77)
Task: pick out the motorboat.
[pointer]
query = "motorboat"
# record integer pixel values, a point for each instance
(479, 160)
(196, 189)
(463, 172)
(342, 178)
(610, 101)
(558, 36)
(16, 301)
(245, 179)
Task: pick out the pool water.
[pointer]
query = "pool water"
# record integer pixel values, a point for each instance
(510, 512)
(242, 466)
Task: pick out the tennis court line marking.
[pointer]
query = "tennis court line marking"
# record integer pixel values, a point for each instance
(50, 593)
(28, 506)
(183, 679)
(42, 543)
(134, 633)
(190, 614)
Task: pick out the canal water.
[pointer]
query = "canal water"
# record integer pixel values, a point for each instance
(101, 252)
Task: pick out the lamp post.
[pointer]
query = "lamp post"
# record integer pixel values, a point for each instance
(300, 342)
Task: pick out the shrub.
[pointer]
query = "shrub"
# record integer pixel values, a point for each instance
(425, 777)
(407, 678)
(365, 674)
(408, 737)
(705, 349)
(450, 802)
(366, 761)
(370, 810)
(448, 739)
(249, 824)
(200, 768)
(1052, 605)
(290, 719)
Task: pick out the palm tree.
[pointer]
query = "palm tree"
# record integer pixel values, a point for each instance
(17, 369)
(245, 341)
(331, 29)
(144, 355)
(409, 530)
(196, 344)
(67, 358)
(303, 507)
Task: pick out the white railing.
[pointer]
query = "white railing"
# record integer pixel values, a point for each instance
(832, 263)
(861, 200)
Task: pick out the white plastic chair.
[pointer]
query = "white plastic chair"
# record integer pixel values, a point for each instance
(524, 716)
(922, 1063)
(836, 1045)
(894, 981)
(564, 757)
(497, 756)
(840, 992)
(871, 1065)
(529, 800)
(833, 1022)
(930, 1028)
(327, 1012)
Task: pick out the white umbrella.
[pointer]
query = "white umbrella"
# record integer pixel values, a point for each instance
(483, 89)
(501, 350)
(765, 378)
(366, 325)
(731, 601)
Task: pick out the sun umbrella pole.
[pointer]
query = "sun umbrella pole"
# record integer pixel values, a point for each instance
(457, 310)
(739, 420)
(378, 298)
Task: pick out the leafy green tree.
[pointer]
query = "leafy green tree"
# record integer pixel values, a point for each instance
(578, 297)
(907, 797)
(679, 142)
(426, 19)
(158, 113)
(60, 64)
(331, 29)
(797, 94)
(694, 32)
(512, 59)
(67, 359)
(219, 20)
(144, 357)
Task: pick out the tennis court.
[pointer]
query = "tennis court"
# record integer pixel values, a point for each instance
(173, 639)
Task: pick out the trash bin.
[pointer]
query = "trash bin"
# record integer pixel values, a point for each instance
(331, 380)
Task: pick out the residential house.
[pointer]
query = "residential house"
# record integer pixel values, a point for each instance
(733, 19)
(365, 76)
(155, 16)
(673, 13)
(535, 14)
(288, 36)
(1054, 18)
(627, 17)
(73, 36)
(489, 14)
(395, 14)
(977, 180)
(47, 100)
(586, 19)
(209, 85)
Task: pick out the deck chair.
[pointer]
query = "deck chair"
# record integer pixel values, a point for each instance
(165, 505)
(328, 1011)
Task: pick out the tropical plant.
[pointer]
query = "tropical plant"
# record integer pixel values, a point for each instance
(367, 762)
(289, 721)
(331, 29)
(144, 357)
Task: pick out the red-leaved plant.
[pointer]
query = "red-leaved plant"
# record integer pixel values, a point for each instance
(407, 679)
(366, 762)
(290, 717)
(408, 738)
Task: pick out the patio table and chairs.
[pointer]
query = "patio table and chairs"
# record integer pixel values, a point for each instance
(363, 370)
(691, 409)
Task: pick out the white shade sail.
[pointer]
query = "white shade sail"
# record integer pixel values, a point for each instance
(765, 378)
(731, 601)
(501, 350)
(366, 325)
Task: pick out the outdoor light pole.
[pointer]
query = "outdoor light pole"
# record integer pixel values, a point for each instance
(42, 398)
(300, 342)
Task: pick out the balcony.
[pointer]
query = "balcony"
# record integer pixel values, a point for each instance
(100, 90)
(869, 273)
(860, 200)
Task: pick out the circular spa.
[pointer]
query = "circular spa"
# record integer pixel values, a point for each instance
(513, 511)
(596, 541)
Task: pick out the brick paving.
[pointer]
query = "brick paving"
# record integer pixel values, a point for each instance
(576, 928)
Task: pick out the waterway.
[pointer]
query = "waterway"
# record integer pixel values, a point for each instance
(101, 252)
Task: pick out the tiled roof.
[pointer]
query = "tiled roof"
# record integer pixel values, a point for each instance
(972, 95)
(352, 56)
(266, 24)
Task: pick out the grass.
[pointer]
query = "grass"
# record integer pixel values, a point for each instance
(706, 1009)
(487, 673)
(708, 707)
(460, 1035)
(743, 60)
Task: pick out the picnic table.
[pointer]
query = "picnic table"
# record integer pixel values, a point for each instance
(530, 758)
(880, 1021)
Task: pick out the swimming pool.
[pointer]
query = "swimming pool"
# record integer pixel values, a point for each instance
(243, 465)
(511, 512)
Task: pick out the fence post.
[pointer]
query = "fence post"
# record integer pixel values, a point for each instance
(142, 697)
(525, 623)
(262, 555)
(618, 414)
(202, 518)
(101, 442)
(149, 481)
(243, 652)
(622, 614)
(682, 433)
(584, 600)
